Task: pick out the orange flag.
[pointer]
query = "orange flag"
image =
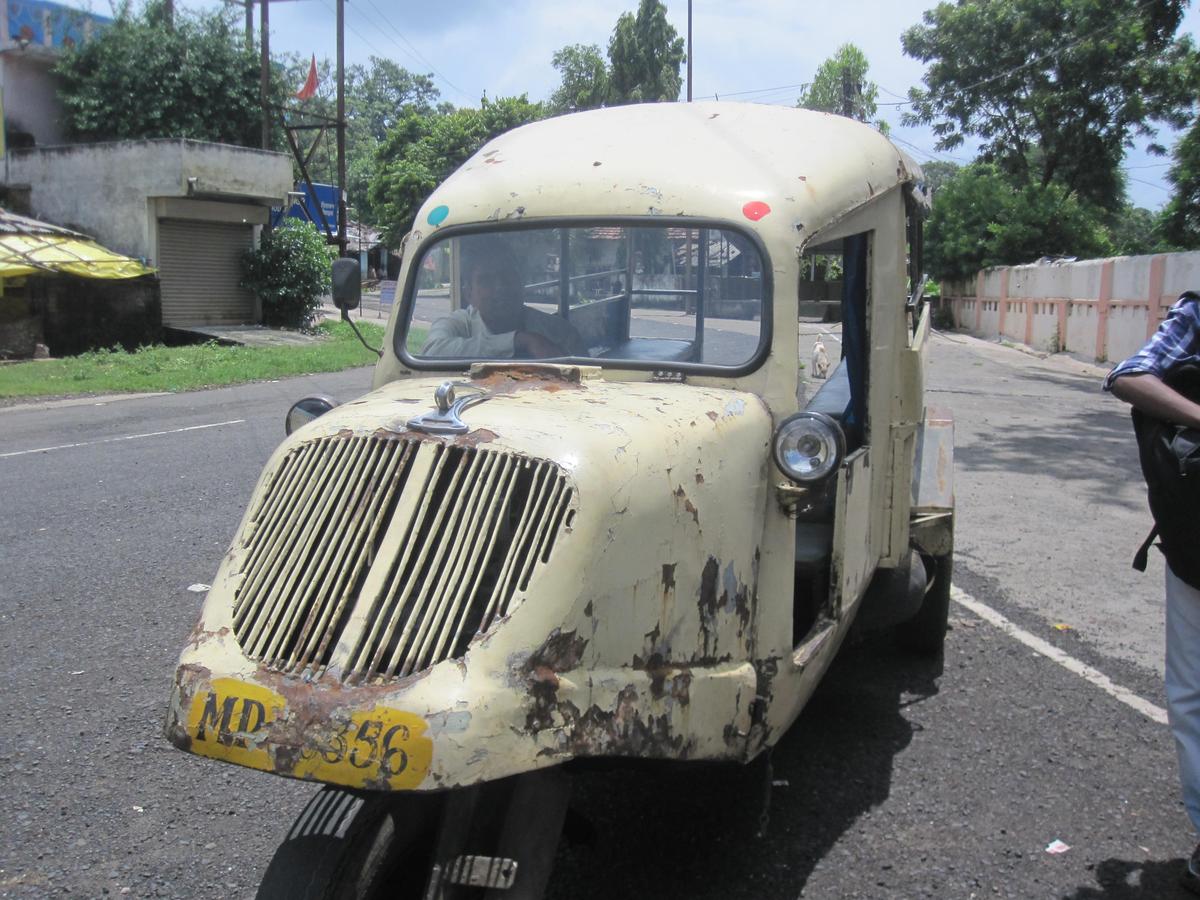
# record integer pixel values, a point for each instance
(310, 83)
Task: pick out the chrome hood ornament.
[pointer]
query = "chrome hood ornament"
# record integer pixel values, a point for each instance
(447, 418)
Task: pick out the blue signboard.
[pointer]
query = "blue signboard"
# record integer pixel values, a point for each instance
(44, 24)
(305, 207)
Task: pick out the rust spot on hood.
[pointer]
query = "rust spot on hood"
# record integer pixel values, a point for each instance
(561, 652)
(735, 599)
(708, 607)
(680, 494)
(476, 437)
(621, 731)
(471, 439)
(201, 635)
(507, 378)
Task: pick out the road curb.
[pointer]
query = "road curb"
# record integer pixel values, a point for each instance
(96, 400)
(1063, 361)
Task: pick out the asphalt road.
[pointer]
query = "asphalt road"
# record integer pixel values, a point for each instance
(901, 779)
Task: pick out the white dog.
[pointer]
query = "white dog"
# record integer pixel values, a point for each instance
(820, 360)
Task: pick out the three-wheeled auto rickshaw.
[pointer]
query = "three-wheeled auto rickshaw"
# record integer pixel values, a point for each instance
(592, 509)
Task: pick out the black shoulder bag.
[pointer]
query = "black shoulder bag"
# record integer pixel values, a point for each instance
(1170, 458)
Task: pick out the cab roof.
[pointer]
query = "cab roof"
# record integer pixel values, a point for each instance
(765, 167)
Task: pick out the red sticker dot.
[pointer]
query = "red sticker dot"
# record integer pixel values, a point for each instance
(755, 210)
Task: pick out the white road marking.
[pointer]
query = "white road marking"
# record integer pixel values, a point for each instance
(1070, 663)
(124, 437)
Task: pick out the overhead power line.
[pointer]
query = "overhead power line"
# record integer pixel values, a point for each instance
(1070, 45)
(415, 52)
(362, 37)
(903, 102)
(782, 87)
(381, 53)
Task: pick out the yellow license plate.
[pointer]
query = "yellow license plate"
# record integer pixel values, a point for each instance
(241, 723)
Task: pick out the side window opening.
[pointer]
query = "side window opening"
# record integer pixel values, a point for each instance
(915, 241)
(842, 392)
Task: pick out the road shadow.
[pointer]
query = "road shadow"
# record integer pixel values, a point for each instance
(690, 830)
(1092, 450)
(1123, 879)
(1084, 384)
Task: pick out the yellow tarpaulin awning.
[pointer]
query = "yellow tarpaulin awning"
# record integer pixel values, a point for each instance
(34, 254)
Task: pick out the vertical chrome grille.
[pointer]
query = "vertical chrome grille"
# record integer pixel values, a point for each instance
(387, 556)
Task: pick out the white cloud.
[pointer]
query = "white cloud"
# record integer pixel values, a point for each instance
(741, 47)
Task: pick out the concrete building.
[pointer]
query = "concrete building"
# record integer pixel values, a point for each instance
(32, 35)
(188, 208)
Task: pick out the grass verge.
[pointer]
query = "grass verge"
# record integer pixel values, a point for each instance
(160, 368)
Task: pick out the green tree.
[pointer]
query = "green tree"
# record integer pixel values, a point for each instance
(980, 219)
(1136, 231)
(584, 78)
(289, 272)
(644, 53)
(843, 77)
(145, 77)
(378, 95)
(644, 56)
(1181, 217)
(420, 151)
(937, 173)
(1055, 90)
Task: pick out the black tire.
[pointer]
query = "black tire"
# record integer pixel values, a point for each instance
(925, 633)
(351, 845)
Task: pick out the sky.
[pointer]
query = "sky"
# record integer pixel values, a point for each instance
(743, 50)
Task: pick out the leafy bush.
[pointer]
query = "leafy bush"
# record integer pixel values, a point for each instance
(151, 75)
(420, 151)
(979, 219)
(289, 272)
(942, 318)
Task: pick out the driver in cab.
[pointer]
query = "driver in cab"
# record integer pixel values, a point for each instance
(495, 323)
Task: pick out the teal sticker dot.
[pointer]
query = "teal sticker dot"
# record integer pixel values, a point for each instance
(438, 215)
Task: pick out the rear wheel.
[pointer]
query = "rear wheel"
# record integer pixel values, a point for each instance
(925, 633)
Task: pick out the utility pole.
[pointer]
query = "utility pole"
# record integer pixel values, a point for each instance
(265, 75)
(689, 100)
(249, 4)
(341, 122)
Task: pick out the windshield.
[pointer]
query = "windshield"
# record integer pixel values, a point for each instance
(647, 295)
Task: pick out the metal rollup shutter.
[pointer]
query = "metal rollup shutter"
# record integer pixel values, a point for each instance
(199, 265)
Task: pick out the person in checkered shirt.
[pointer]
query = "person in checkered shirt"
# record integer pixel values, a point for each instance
(1139, 381)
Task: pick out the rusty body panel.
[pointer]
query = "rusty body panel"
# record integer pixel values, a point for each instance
(604, 564)
(616, 648)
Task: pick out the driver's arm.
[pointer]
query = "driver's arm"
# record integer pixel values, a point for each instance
(528, 344)
(457, 335)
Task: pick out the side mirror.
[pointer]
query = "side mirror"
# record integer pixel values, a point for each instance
(304, 411)
(347, 284)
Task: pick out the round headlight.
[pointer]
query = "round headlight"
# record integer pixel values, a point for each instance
(304, 411)
(809, 446)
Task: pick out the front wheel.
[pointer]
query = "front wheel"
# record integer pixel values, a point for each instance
(351, 845)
